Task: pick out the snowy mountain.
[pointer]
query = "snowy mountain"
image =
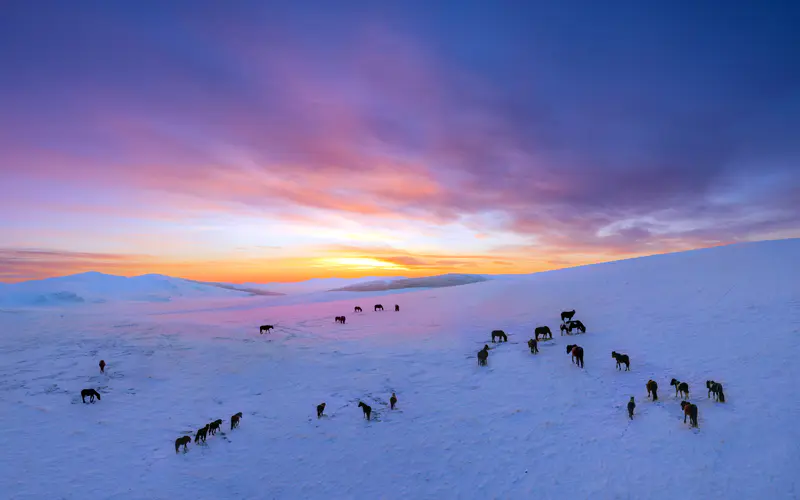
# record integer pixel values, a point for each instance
(97, 288)
(527, 425)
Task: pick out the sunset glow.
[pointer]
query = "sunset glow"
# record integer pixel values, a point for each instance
(256, 143)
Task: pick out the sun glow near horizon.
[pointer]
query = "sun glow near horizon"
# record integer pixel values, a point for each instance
(358, 263)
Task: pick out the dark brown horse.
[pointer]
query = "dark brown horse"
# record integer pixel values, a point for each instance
(341, 319)
(622, 359)
(652, 388)
(483, 355)
(567, 315)
(357, 309)
(689, 410)
(378, 307)
(577, 354)
(544, 331)
(499, 334)
(265, 328)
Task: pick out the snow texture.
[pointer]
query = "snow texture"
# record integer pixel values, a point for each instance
(524, 426)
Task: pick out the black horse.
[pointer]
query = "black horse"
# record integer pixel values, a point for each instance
(622, 359)
(544, 331)
(265, 328)
(499, 334)
(575, 325)
(341, 319)
(378, 307)
(563, 328)
(357, 309)
(91, 393)
(396, 308)
(567, 315)
(483, 355)
(715, 388)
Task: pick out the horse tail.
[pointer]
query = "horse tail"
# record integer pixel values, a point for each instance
(721, 395)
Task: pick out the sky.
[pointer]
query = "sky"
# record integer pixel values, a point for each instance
(258, 141)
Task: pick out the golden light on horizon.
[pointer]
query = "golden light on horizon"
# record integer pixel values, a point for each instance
(358, 263)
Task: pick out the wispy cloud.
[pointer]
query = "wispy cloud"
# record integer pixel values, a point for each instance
(379, 131)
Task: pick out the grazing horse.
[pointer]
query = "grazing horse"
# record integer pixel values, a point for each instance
(563, 328)
(483, 355)
(577, 354)
(341, 319)
(567, 315)
(265, 328)
(689, 410)
(378, 307)
(396, 308)
(499, 334)
(367, 410)
(573, 325)
(91, 393)
(183, 440)
(621, 359)
(683, 387)
(235, 420)
(102, 366)
(544, 331)
(533, 344)
(715, 388)
(357, 309)
(652, 387)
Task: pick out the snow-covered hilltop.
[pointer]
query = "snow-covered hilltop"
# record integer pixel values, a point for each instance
(524, 426)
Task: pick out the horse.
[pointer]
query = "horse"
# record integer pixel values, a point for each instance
(102, 366)
(499, 334)
(631, 406)
(689, 410)
(652, 387)
(378, 307)
(544, 331)
(563, 328)
(340, 319)
(533, 344)
(396, 308)
(235, 420)
(567, 315)
(367, 410)
(483, 355)
(357, 309)
(213, 427)
(715, 388)
(183, 440)
(572, 325)
(320, 409)
(201, 434)
(683, 387)
(265, 328)
(577, 354)
(622, 359)
(393, 400)
(91, 393)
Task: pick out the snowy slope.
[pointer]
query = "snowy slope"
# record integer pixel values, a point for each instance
(98, 288)
(525, 426)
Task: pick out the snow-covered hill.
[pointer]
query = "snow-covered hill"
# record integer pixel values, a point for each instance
(525, 426)
(98, 288)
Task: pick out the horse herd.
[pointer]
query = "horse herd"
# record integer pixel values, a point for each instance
(567, 325)
(338, 319)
